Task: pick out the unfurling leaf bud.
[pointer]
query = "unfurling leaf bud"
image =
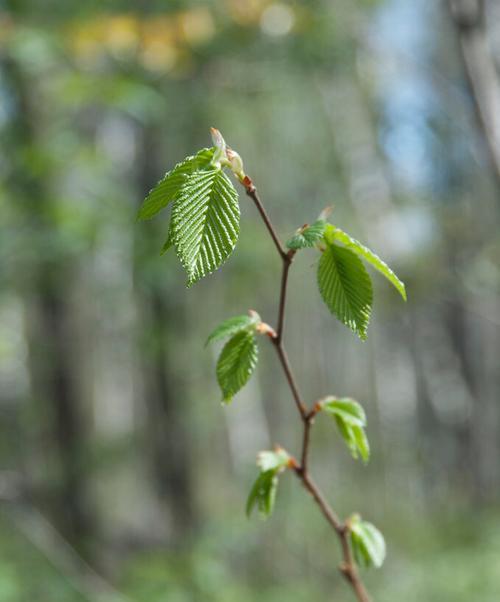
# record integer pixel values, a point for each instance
(273, 460)
(325, 214)
(218, 140)
(220, 147)
(235, 163)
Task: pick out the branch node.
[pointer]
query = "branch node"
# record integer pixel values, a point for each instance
(249, 185)
(346, 570)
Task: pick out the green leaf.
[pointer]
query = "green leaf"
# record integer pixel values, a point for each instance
(205, 222)
(272, 460)
(333, 233)
(361, 442)
(263, 494)
(349, 410)
(308, 236)
(167, 188)
(351, 420)
(232, 326)
(346, 287)
(367, 542)
(236, 363)
(169, 242)
(355, 439)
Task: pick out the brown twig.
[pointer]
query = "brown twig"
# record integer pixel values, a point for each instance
(347, 566)
(252, 193)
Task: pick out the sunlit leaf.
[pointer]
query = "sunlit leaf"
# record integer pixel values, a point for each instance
(336, 234)
(205, 222)
(346, 287)
(167, 188)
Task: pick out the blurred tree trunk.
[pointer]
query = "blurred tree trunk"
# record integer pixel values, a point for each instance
(160, 315)
(469, 19)
(46, 290)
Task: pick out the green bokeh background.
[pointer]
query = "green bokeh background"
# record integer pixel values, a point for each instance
(122, 478)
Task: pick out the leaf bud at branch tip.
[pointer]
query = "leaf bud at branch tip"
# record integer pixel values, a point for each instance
(225, 156)
(219, 157)
(325, 214)
(218, 140)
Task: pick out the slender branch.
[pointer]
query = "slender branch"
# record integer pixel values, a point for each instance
(347, 566)
(328, 513)
(301, 406)
(252, 193)
(305, 445)
(287, 262)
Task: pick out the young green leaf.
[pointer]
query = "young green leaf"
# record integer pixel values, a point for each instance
(167, 188)
(336, 234)
(361, 443)
(308, 236)
(367, 542)
(349, 410)
(236, 363)
(263, 494)
(355, 439)
(205, 222)
(273, 460)
(351, 421)
(346, 287)
(233, 325)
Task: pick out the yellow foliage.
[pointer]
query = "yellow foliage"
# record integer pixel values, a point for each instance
(197, 25)
(246, 12)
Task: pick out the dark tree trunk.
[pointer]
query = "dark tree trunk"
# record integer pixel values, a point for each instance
(46, 293)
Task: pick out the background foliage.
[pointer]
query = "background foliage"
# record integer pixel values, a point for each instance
(122, 478)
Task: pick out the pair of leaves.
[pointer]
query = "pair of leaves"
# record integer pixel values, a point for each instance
(344, 283)
(368, 544)
(263, 492)
(350, 418)
(238, 358)
(205, 221)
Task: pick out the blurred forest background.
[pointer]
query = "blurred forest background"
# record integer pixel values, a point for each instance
(122, 478)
